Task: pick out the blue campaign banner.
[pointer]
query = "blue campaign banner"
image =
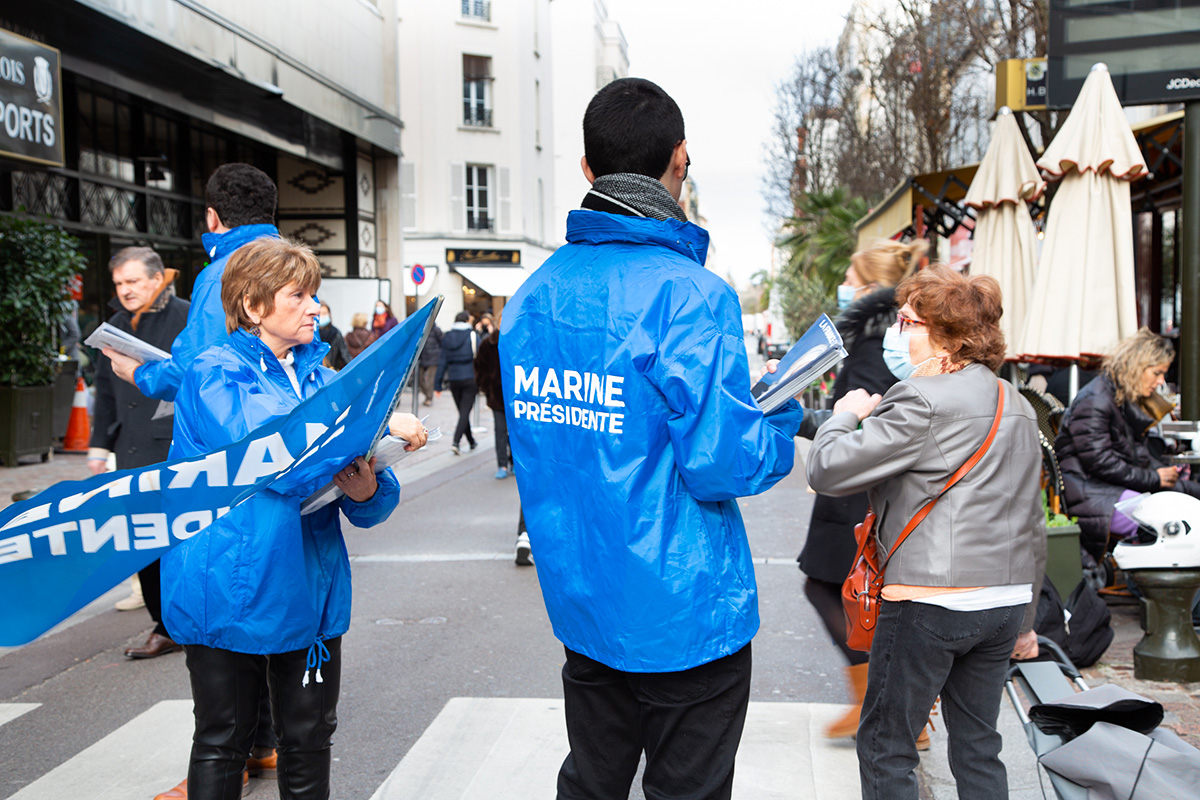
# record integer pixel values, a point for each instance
(71, 543)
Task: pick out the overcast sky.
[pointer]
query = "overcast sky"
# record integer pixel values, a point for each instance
(721, 62)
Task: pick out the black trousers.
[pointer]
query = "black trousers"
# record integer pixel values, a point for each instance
(464, 393)
(826, 599)
(151, 583)
(500, 423)
(226, 691)
(688, 723)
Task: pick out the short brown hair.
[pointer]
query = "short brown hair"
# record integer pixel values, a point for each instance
(256, 271)
(963, 313)
(146, 255)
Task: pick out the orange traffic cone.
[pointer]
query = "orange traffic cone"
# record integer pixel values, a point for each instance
(79, 430)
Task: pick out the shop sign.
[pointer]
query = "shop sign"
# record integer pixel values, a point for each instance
(30, 100)
(507, 257)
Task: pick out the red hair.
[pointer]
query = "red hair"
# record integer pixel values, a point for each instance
(963, 313)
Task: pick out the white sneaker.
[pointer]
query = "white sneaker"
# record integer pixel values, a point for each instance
(135, 600)
(524, 554)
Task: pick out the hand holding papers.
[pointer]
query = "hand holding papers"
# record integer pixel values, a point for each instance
(107, 336)
(388, 451)
(818, 350)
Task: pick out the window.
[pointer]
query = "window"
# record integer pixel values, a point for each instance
(477, 91)
(479, 198)
(477, 9)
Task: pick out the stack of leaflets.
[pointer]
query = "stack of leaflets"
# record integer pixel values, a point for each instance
(814, 354)
(388, 451)
(126, 343)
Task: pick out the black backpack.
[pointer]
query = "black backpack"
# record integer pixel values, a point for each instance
(1087, 634)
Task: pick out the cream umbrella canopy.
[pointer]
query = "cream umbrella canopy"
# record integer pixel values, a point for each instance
(1083, 299)
(1007, 179)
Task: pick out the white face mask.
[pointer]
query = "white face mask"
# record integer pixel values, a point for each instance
(380, 309)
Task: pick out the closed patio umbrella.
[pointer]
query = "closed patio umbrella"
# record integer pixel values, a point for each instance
(1006, 181)
(1083, 299)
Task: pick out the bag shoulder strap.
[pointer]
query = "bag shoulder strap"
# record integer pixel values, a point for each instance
(955, 478)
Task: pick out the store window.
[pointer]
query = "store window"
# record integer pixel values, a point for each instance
(477, 91)
(479, 198)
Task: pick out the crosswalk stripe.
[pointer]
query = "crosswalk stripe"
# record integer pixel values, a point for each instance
(142, 758)
(10, 711)
(511, 749)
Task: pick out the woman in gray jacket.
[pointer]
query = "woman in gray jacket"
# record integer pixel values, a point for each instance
(959, 593)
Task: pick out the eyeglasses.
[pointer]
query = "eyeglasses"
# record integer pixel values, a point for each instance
(686, 167)
(907, 322)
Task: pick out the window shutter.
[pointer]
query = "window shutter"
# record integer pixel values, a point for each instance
(458, 211)
(505, 190)
(408, 195)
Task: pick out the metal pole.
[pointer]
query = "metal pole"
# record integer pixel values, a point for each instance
(416, 375)
(1189, 312)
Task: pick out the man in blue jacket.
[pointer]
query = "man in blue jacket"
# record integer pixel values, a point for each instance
(632, 430)
(240, 207)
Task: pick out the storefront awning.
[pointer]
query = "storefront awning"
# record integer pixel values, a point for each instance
(496, 281)
(943, 191)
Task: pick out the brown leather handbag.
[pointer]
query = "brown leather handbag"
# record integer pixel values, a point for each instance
(862, 588)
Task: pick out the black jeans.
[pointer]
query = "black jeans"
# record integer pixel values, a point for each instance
(921, 651)
(500, 423)
(826, 600)
(689, 723)
(464, 397)
(226, 690)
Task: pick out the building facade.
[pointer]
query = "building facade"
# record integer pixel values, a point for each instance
(597, 56)
(154, 96)
(477, 173)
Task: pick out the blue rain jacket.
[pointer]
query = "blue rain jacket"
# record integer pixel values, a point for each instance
(206, 317)
(632, 428)
(261, 579)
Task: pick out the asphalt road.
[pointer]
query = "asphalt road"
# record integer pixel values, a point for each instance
(440, 611)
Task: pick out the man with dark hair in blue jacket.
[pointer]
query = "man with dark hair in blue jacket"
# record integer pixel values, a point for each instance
(632, 430)
(240, 204)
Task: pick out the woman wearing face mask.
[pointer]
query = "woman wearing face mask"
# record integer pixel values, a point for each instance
(384, 319)
(868, 301)
(338, 355)
(959, 593)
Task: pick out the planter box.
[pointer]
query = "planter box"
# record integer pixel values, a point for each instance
(1064, 565)
(26, 417)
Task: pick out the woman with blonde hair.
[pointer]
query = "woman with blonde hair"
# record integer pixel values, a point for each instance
(867, 325)
(1105, 448)
(959, 592)
(359, 338)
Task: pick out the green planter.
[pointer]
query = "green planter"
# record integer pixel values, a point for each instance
(1064, 567)
(26, 417)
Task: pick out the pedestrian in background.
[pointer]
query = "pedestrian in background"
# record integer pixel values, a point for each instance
(359, 338)
(384, 320)
(431, 355)
(632, 429)
(123, 424)
(456, 365)
(338, 356)
(960, 593)
(875, 362)
(487, 376)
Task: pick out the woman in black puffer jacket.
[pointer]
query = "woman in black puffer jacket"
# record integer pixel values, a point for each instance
(1103, 446)
(868, 305)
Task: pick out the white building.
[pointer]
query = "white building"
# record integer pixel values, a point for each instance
(591, 53)
(477, 168)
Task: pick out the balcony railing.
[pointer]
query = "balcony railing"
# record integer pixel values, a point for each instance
(477, 9)
(477, 117)
(480, 222)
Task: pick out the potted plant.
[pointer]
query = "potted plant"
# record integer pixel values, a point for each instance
(37, 260)
(1064, 565)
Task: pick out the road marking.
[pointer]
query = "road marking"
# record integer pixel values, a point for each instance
(435, 558)
(142, 758)
(511, 749)
(10, 711)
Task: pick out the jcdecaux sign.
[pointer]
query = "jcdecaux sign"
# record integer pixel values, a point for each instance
(30, 100)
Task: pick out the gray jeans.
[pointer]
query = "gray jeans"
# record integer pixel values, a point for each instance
(921, 651)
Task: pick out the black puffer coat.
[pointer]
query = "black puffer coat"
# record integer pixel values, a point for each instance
(1102, 451)
(829, 548)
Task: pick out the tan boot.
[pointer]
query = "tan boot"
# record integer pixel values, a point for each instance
(856, 676)
(923, 742)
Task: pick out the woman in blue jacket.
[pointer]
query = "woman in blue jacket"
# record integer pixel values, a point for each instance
(263, 590)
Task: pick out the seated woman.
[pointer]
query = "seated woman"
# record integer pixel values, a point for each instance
(959, 592)
(1103, 446)
(264, 593)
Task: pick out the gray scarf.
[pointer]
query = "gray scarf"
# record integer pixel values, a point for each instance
(644, 196)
